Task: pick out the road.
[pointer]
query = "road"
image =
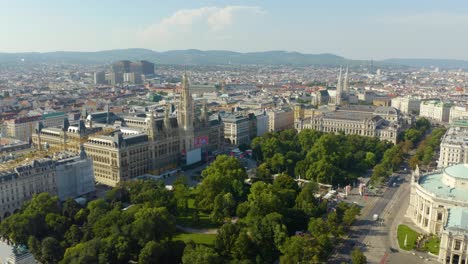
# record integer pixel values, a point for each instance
(377, 239)
(364, 226)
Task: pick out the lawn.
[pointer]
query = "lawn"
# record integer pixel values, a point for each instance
(432, 245)
(411, 236)
(203, 222)
(206, 239)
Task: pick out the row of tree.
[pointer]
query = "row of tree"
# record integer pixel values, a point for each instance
(394, 157)
(427, 148)
(336, 159)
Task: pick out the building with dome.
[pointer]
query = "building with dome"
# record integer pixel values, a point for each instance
(439, 205)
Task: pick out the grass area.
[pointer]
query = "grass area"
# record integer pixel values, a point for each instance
(404, 232)
(204, 220)
(432, 245)
(206, 239)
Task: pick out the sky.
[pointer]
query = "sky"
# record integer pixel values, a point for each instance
(355, 29)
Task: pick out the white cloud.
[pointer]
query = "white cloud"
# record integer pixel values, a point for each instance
(223, 17)
(204, 22)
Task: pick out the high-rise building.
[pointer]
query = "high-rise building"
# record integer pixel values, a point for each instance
(132, 77)
(100, 78)
(115, 78)
(147, 67)
(121, 66)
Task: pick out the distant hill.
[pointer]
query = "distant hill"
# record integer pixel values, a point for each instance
(214, 57)
(211, 57)
(441, 63)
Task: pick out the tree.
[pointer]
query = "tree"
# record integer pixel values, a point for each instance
(43, 203)
(35, 247)
(308, 137)
(244, 247)
(200, 254)
(357, 257)
(269, 234)
(150, 253)
(263, 172)
(56, 223)
(224, 175)
(370, 159)
(413, 135)
(70, 207)
(317, 226)
(73, 235)
(224, 206)
(152, 224)
(181, 194)
(277, 163)
(263, 200)
(298, 249)
(51, 251)
(226, 238)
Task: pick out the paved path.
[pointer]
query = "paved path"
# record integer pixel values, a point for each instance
(211, 231)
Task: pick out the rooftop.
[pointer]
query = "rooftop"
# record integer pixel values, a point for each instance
(457, 219)
(433, 183)
(458, 171)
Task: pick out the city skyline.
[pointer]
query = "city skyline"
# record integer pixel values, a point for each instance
(358, 30)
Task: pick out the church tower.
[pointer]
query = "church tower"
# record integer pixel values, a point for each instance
(346, 82)
(185, 115)
(150, 126)
(204, 113)
(338, 90)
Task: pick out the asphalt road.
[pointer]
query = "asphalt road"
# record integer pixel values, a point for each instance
(364, 226)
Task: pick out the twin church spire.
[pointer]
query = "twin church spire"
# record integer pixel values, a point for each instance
(342, 88)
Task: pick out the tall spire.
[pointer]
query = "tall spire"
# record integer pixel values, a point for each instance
(338, 90)
(106, 108)
(185, 115)
(346, 82)
(204, 112)
(185, 111)
(84, 113)
(150, 126)
(167, 121)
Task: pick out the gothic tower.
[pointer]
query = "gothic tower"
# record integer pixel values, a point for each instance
(204, 113)
(150, 126)
(338, 90)
(185, 115)
(346, 82)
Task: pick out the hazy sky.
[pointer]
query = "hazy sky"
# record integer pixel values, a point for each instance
(358, 29)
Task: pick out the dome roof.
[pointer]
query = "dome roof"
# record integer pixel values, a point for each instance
(457, 171)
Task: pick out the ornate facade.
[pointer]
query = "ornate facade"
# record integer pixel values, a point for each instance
(124, 148)
(454, 144)
(381, 122)
(439, 205)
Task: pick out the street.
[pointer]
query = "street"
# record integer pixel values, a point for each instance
(378, 239)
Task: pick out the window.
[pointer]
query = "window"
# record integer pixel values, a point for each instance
(439, 216)
(457, 245)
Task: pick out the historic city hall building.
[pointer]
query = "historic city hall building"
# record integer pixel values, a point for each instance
(130, 146)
